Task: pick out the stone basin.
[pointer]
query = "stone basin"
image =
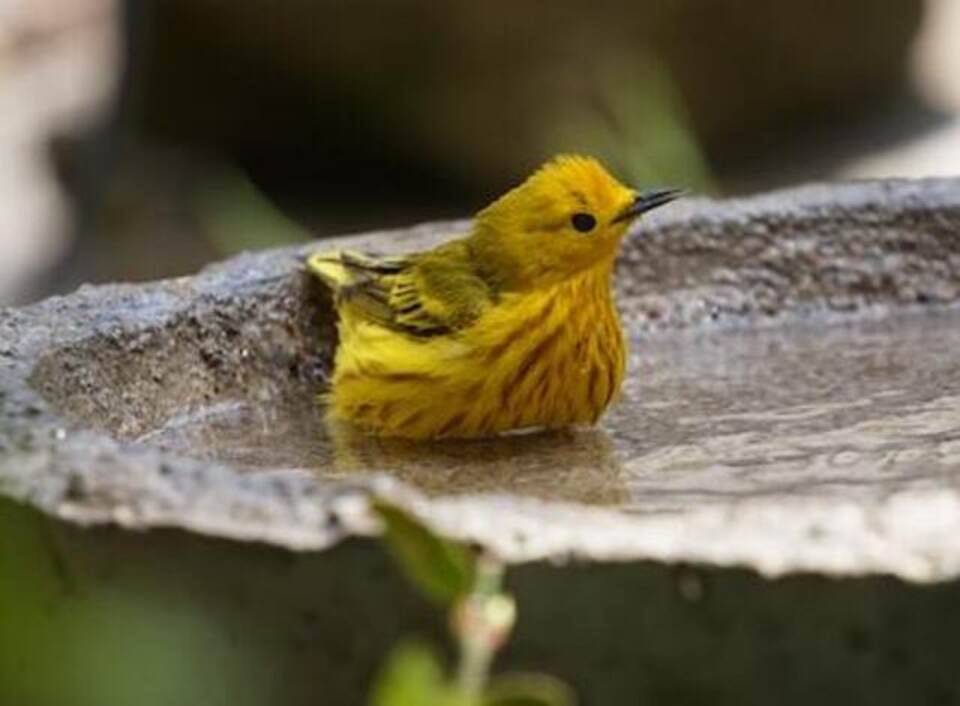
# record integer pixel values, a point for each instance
(771, 511)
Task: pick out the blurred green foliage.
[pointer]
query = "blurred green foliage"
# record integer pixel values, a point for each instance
(413, 675)
(640, 127)
(66, 632)
(481, 618)
(236, 216)
(442, 570)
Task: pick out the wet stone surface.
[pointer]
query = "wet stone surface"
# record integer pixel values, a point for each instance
(855, 411)
(791, 403)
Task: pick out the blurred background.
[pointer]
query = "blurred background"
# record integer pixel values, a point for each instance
(142, 139)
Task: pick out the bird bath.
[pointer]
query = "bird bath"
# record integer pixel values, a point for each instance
(769, 513)
(852, 410)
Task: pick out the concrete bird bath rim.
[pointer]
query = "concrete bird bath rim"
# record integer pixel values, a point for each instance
(102, 393)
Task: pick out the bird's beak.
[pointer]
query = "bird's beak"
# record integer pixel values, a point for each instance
(647, 201)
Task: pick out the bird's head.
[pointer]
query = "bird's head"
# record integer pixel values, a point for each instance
(568, 216)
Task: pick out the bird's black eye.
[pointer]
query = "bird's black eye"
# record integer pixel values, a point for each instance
(583, 222)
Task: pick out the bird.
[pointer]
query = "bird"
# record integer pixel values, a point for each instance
(511, 327)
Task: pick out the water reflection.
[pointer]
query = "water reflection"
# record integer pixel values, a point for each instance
(853, 410)
(575, 465)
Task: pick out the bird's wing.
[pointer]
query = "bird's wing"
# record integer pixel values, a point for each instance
(424, 294)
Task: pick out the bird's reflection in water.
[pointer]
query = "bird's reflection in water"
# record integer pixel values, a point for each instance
(576, 466)
(571, 465)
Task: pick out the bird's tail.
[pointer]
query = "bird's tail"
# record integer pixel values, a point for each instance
(330, 269)
(341, 268)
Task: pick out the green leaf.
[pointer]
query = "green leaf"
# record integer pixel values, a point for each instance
(442, 569)
(528, 690)
(412, 676)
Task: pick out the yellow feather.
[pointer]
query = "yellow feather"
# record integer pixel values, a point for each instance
(513, 326)
(327, 267)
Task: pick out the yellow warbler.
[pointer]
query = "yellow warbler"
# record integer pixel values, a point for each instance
(512, 326)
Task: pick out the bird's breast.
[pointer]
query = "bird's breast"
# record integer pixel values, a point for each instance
(558, 357)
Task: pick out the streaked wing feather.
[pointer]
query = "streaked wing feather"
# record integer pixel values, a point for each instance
(361, 262)
(419, 295)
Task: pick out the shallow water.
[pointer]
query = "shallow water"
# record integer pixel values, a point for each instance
(856, 410)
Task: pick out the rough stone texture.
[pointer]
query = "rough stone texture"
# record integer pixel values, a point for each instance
(85, 375)
(833, 249)
(749, 599)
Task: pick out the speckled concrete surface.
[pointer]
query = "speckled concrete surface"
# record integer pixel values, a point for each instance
(770, 515)
(83, 377)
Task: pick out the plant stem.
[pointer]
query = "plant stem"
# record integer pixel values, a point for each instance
(476, 644)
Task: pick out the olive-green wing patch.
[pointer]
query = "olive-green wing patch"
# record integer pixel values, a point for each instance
(425, 294)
